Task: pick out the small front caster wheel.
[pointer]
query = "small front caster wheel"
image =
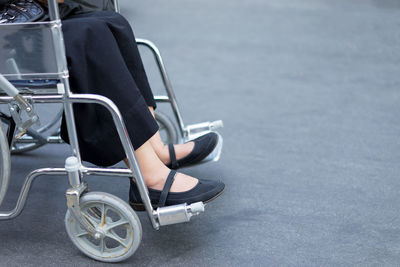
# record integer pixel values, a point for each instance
(119, 231)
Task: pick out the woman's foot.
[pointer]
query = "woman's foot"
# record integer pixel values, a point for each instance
(156, 178)
(180, 155)
(204, 191)
(203, 146)
(181, 151)
(167, 187)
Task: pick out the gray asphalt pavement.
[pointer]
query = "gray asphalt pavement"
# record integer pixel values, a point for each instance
(309, 92)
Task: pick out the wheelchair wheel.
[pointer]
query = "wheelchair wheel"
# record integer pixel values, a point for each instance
(5, 165)
(38, 136)
(168, 131)
(114, 218)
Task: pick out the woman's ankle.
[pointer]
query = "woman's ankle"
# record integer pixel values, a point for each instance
(181, 151)
(156, 179)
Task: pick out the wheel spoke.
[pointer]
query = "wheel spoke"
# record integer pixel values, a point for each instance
(102, 245)
(82, 233)
(90, 219)
(95, 211)
(116, 224)
(103, 215)
(111, 234)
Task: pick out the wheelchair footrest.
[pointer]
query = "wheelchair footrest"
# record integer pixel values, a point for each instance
(178, 213)
(215, 155)
(193, 131)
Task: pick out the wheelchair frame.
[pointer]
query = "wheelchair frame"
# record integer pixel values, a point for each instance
(78, 188)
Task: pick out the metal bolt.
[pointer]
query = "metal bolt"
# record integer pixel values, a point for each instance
(97, 235)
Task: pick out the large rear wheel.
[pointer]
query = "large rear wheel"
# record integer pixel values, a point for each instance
(5, 165)
(167, 129)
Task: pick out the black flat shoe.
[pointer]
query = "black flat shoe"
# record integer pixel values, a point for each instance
(205, 191)
(203, 146)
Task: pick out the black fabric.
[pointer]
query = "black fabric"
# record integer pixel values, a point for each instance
(74, 7)
(103, 59)
(3, 3)
(172, 156)
(205, 191)
(167, 187)
(203, 146)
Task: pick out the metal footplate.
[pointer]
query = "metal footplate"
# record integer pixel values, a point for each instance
(193, 131)
(178, 213)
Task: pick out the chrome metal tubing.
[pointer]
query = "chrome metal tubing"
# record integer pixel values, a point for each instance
(70, 121)
(167, 84)
(55, 139)
(116, 6)
(36, 99)
(26, 188)
(107, 171)
(54, 14)
(126, 143)
(162, 98)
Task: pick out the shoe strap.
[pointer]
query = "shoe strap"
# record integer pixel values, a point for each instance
(167, 187)
(172, 156)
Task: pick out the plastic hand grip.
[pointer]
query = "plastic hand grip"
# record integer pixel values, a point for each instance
(7, 87)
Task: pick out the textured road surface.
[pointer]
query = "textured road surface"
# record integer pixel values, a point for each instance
(310, 95)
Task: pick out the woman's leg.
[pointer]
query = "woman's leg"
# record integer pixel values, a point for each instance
(132, 59)
(134, 64)
(95, 41)
(161, 150)
(155, 172)
(98, 65)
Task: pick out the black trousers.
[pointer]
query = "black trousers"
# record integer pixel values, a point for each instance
(103, 59)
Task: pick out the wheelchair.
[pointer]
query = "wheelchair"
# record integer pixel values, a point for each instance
(100, 225)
